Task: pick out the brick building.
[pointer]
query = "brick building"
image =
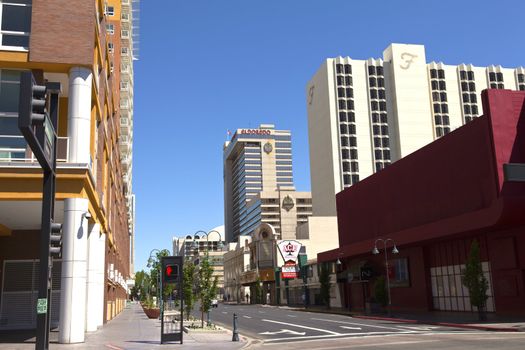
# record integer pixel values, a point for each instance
(85, 45)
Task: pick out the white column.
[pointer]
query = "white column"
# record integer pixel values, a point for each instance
(74, 271)
(94, 255)
(79, 114)
(100, 278)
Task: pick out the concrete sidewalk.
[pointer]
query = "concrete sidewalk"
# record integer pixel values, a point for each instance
(129, 330)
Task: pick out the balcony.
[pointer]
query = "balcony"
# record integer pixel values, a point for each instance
(21, 155)
(125, 51)
(125, 19)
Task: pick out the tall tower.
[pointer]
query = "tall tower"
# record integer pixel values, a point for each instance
(365, 114)
(255, 160)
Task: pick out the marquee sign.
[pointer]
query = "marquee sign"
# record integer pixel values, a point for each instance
(289, 270)
(289, 250)
(256, 132)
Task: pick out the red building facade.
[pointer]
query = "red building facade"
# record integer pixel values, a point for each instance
(432, 204)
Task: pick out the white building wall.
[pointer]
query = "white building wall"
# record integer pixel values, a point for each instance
(362, 118)
(411, 106)
(324, 147)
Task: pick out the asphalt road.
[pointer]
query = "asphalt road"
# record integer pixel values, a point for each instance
(269, 325)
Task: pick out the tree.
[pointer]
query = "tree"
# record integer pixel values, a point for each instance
(142, 285)
(380, 291)
(258, 291)
(207, 290)
(324, 280)
(155, 264)
(188, 287)
(475, 281)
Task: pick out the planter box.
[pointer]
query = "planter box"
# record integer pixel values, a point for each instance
(152, 313)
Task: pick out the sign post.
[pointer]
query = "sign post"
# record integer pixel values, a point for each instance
(171, 324)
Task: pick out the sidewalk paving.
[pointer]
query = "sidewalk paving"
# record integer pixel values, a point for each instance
(129, 330)
(441, 318)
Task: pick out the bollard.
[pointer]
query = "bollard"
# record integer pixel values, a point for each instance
(235, 336)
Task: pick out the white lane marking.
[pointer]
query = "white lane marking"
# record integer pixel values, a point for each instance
(340, 335)
(291, 315)
(262, 312)
(224, 312)
(346, 327)
(283, 331)
(419, 328)
(381, 344)
(358, 324)
(246, 316)
(305, 327)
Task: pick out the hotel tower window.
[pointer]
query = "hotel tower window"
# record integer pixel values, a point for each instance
(347, 127)
(378, 115)
(495, 78)
(469, 100)
(440, 114)
(15, 27)
(520, 78)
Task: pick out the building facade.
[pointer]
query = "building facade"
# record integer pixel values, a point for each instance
(82, 46)
(432, 205)
(365, 114)
(255, 160)
(202, 244)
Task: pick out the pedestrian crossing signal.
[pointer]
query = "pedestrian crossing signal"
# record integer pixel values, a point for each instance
(171, 273)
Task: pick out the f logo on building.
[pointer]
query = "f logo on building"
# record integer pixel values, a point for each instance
(408, 59)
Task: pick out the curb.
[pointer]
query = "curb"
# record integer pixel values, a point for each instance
(444, 324)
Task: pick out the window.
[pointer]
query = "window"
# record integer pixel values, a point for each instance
(371, 70)
(111, 47)
(339, 68)
(15, 23)
(348, 69)
(110, 11)
(110, 28)
(399, 273)
(12, 143)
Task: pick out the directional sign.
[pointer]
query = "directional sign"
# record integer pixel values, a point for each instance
(41, 306)
(283, 331)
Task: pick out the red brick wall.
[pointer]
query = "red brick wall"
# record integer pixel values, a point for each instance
(62, 31)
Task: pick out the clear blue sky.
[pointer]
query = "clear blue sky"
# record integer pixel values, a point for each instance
(207, 66)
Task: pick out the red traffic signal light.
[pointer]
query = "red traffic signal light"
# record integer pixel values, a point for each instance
(171, 273)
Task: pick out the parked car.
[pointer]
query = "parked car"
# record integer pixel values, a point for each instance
(214, 303)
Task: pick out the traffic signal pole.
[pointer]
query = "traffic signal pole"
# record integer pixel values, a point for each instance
(43, 320)
(39, 130)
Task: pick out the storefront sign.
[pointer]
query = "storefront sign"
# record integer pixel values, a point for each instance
(289, 270)
(289, 250)
(256, 132)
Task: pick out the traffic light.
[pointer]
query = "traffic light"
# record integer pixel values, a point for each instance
(171, 273)
(32, 102)
(55, 239)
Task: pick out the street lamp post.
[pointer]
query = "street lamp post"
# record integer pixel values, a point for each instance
(375, 251)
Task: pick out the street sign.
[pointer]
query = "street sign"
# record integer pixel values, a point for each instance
(41, 306)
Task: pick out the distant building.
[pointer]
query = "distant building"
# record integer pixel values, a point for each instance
(201, 244)
(365, 114)
(255, 160)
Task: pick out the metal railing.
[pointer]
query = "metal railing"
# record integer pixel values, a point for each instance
(10, 154)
